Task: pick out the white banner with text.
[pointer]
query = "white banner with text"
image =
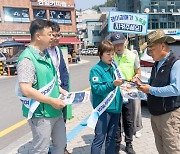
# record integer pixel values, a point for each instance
(127, 22)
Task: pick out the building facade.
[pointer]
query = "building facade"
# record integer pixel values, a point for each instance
(15, 18)
(88, 27)
(163, 14)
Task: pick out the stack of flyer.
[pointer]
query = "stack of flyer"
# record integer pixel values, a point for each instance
(131, 92)
(76, 97)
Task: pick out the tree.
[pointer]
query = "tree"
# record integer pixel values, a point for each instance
(109, 3)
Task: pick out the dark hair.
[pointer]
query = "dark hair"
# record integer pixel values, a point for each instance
(55, 26)
(105, 46)
(38, 25)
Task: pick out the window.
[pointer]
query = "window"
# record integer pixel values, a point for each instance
(163, 9)
(154, 18)
(177, 18)
(154, 3)
(16, 14)
(163, 25)
(171, 8)
(39, 14)
(171, 25)
(149, 26)
(163, 18)
(177, 24)
(155, 25)
(170, 3)
(171, 17)
(61, 17)
(96, 33)
(154, 9)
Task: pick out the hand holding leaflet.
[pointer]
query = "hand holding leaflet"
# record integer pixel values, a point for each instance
(129, 91)
(133, 83)
(76, 97)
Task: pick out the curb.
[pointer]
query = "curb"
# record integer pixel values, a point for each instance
(79, 63)
(15, 145)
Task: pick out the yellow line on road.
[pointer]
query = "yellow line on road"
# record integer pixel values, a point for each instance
(21, 123)
(87, 89)
(10, 129)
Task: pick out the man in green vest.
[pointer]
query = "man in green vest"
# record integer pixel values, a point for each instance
(129, 66)
(39, 91)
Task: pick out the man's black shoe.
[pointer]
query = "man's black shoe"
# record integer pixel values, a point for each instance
(66, 152)
(129, 149)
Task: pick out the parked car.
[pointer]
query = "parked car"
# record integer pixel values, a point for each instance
(95, 51)
(146, 62)
(84, 52)
(175, 48)
(2, 57)
(12, 63)
(90, 51)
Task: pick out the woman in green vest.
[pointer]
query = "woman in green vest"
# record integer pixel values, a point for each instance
(103, 81)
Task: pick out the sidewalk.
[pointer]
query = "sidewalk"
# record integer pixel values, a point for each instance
(80, 137)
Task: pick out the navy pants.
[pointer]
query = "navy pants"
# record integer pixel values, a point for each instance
(105, 131)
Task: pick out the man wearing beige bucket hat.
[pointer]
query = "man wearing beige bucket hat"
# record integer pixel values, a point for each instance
(164, 93)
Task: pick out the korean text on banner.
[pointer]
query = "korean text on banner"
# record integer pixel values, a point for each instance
(127, 22)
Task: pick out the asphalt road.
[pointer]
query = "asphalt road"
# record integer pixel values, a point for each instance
(11, 108)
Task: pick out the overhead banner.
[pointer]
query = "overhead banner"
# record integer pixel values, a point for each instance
(127, 22)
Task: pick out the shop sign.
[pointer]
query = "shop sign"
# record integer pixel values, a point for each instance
(51, 3)
(169, 31)
(14, 33)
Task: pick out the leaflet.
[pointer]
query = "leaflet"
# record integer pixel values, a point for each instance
(75, 97)
(131, 92)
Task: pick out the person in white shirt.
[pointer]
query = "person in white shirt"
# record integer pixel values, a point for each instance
(59, 64)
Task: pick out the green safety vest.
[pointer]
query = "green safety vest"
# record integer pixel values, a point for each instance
(126, 64)
(45, 73)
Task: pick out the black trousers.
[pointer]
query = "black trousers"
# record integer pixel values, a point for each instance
(128, 123)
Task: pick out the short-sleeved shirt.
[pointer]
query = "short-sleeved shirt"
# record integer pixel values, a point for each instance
(26, 70)
(137, 60)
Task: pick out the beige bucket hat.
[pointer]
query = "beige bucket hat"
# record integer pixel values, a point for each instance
(158, 36)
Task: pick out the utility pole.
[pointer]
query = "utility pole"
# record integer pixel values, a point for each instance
(136, 36)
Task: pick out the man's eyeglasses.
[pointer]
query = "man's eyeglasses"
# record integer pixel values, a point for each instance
(56, 35)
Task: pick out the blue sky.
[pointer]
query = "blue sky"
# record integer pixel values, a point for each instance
(85, 4)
